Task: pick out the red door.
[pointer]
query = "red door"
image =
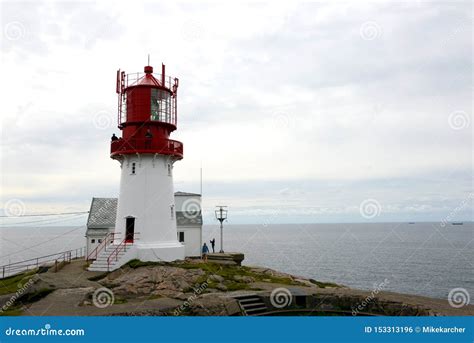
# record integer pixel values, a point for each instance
(129, 229)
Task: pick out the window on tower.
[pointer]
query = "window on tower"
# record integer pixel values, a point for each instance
(133, 168)
(169, 169)
(160, 105)
(181, 236)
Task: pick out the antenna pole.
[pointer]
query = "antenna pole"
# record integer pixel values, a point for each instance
(201, 179)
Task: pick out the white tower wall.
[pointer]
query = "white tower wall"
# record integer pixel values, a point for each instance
(147, 194)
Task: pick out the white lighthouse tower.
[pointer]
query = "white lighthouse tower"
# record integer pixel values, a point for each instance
(145, 225)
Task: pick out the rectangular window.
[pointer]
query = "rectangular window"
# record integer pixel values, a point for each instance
(160, 105)
(181, 236)
(92, 240)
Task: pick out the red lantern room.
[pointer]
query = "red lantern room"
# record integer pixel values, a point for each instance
(147, 114)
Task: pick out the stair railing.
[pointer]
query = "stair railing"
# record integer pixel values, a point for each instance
(94, 253)
(121, 247)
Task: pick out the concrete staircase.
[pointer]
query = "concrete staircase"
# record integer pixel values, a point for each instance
(118, 259)
(251, 304)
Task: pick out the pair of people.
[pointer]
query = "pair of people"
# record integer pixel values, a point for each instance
(205, 249)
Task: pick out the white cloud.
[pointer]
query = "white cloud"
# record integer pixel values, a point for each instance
(276, 93)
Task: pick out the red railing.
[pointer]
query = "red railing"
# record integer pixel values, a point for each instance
(135, 145)
(94, 253)
(121, 247)
(133, 79)
(128, 80)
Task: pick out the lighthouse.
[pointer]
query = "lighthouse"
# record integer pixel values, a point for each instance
(147, 115)
(148, 221)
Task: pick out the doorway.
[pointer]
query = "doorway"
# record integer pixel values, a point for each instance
(129, 229)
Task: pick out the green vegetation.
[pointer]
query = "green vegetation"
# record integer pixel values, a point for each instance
(87, 265)
(324, 284)
(153, 296)
(228, 272)
(34, 296)
(16, 308)
(60, 265)
(14, 311)
(98, 277)
(119, 300)
(13, 283)
(137, 264)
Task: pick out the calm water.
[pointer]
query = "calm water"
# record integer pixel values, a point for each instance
(422, 258)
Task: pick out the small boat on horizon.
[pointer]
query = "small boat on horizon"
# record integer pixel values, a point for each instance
(457, 223)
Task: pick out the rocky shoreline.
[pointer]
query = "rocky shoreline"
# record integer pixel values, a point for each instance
(194, 288)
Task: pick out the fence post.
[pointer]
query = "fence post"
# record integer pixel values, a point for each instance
(3, 272)
(37, 263)
(55, 266)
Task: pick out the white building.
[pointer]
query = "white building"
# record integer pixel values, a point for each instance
(103, 213)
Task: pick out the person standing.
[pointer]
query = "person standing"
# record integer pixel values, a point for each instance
(213, 244)
(205, 251)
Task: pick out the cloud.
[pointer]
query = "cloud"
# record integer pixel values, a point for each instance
(270, 95)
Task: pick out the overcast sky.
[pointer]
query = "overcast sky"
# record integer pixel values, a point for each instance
(303, 112)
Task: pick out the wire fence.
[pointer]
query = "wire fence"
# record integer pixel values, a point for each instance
(47, 261)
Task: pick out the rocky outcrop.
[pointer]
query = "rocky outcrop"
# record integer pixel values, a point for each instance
(153, 281)
(201, 289)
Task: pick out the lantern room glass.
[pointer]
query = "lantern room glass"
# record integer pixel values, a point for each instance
(160, 106)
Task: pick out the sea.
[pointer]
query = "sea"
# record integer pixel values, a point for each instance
(428, 259)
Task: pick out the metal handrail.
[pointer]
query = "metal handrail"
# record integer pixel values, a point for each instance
(132, 79)
(122, 244)
(25, 265)
(101, 246)
(164, 147)
(116, 251)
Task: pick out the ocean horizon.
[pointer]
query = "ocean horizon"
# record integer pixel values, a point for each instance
(427, 259)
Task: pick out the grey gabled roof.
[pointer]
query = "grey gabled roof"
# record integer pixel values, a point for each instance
(102, 213)
(104, 210)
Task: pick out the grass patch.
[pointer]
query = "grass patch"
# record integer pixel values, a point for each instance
(137, 264)
(34, 296)
(236, 286)
(120, 300)
(154, 296)
(60, 266)
(321, 284)
(13, 283)
(14, 311)
(16, 308)
(229, 271)
(98, 277)
(87, 264)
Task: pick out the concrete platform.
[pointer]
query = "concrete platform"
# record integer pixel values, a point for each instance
(234, 258)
